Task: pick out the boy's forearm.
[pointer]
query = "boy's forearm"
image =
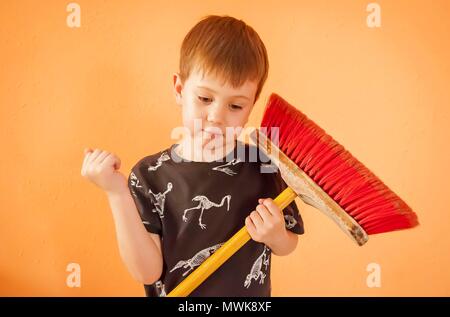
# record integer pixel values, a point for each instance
(137, 249)
(284, 244)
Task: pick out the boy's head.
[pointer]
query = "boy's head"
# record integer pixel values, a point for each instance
(223, 67)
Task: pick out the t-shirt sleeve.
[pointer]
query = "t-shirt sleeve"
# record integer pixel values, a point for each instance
(292, 218)
(139, 190)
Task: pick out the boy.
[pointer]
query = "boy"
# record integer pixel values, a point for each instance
(189, 199)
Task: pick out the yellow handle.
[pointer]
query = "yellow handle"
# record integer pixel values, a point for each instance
(212, 263)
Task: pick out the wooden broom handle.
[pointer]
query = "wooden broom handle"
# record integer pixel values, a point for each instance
(211, 264)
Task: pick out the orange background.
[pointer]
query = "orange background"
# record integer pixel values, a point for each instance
(381, 92)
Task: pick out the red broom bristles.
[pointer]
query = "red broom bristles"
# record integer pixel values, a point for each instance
(347, 181)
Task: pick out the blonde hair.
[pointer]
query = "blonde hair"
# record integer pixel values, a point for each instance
(227, 47)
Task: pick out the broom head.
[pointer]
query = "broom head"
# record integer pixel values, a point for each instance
(350, 184)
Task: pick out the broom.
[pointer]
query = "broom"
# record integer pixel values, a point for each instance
(324, 175)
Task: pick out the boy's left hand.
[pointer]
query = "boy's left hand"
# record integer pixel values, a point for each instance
(266, 223)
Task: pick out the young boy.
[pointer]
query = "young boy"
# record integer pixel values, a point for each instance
(189, 199)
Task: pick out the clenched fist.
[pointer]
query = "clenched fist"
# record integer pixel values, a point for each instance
(102, 169)
(266, 223)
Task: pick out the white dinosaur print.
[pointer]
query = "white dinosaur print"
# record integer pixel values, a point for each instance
(160, 289)
(164, 157)
(146, 222)
(196, 260)
(224, 168)
(159, 200)
(290, 221)
(135, 181)
(205, 203)
(268, 168)
(256, 272)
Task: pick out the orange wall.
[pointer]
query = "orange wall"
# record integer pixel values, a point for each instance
(383, 93)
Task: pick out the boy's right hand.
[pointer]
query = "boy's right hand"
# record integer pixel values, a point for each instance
(102, 169)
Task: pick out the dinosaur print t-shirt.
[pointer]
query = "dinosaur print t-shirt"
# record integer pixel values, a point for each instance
(195, 207)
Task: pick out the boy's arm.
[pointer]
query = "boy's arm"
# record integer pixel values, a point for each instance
(139, 249)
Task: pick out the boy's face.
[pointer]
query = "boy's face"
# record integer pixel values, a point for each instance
(215, 106)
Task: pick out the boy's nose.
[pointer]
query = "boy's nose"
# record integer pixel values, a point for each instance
(216, 114)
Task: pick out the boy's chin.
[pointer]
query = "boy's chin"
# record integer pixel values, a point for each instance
(213, 145)
(216, 147)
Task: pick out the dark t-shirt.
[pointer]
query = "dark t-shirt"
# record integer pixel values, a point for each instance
(195, 207)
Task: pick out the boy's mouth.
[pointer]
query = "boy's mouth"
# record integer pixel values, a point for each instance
(212, 131)
(211, 137)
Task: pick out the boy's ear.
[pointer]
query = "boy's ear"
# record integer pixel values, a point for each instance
(177, 88)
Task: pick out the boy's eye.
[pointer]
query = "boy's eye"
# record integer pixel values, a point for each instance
(235, 107)
(204, 99)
